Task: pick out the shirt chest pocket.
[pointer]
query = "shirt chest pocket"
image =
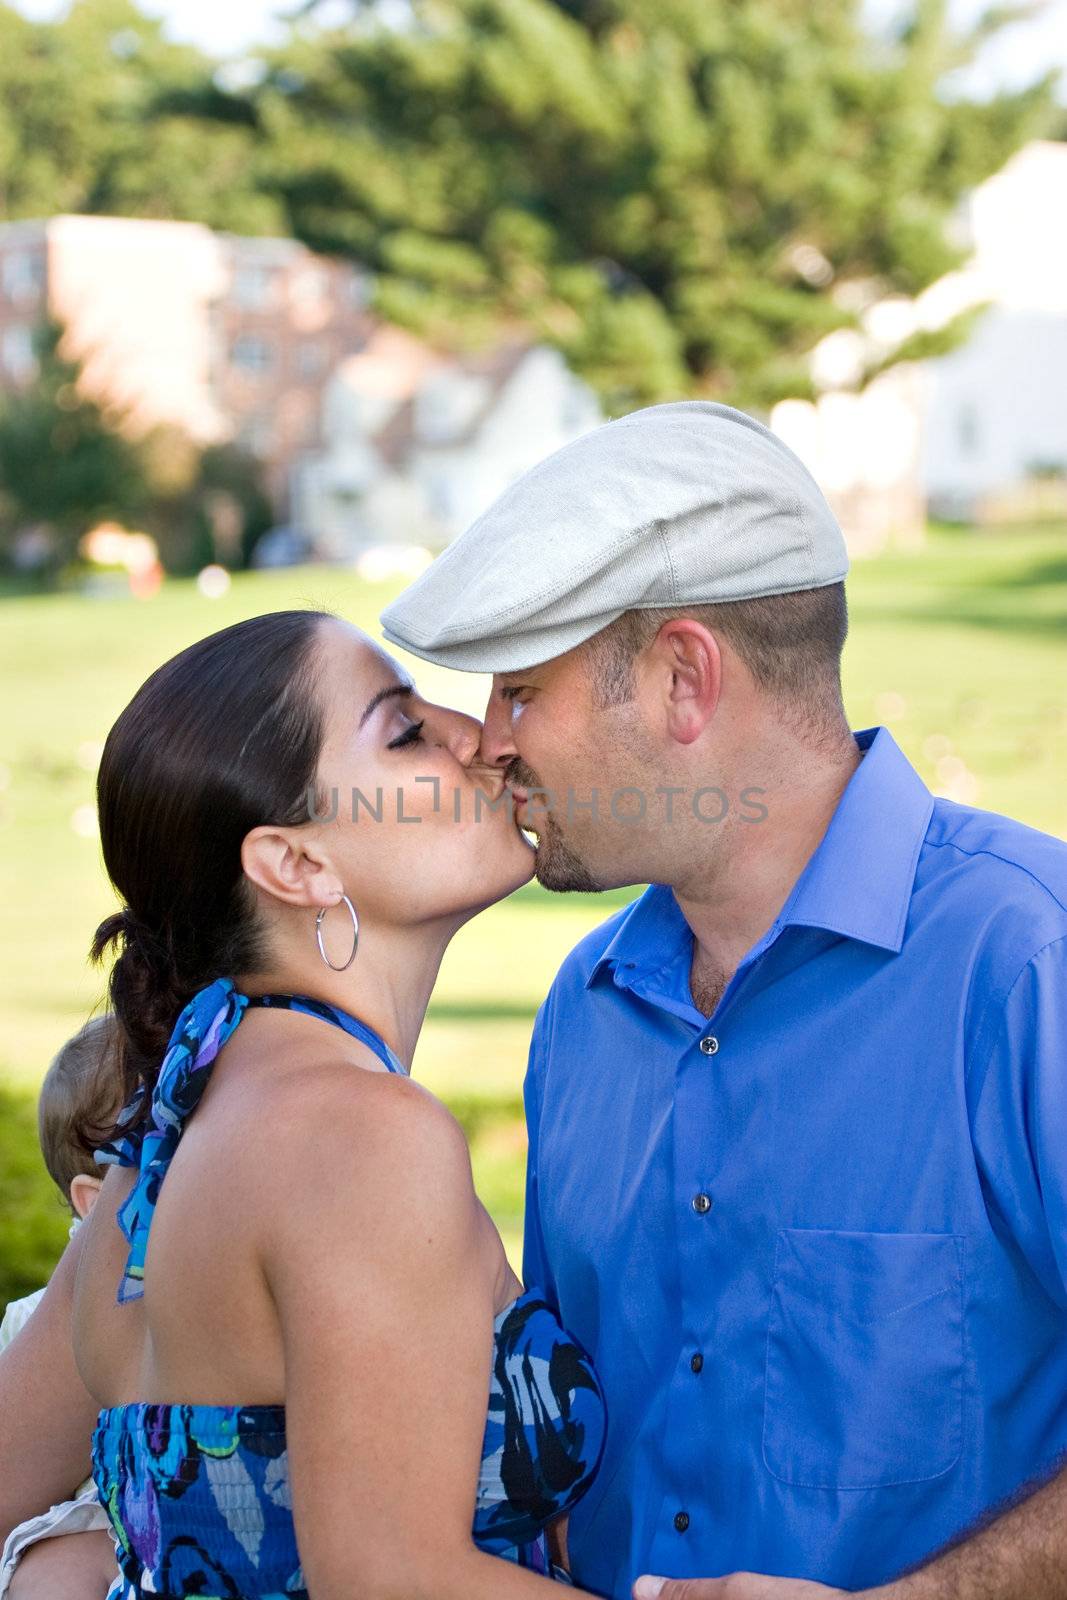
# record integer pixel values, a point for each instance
(864, 1381)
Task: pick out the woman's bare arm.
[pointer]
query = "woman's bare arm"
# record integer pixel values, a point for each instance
(47, 1415)
(384, 1288)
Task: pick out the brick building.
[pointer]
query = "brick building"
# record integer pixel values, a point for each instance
(230, 339)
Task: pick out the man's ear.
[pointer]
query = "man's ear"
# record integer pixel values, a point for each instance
(290, 866)
(84, 1192)
(689, 665)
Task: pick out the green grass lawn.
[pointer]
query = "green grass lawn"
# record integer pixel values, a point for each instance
(959, 648)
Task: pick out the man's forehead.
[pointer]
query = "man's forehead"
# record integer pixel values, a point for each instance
(504, 680)
(540, 672)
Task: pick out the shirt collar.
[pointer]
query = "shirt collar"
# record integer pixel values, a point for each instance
(857, 883)
(859, 880)
(650, 934)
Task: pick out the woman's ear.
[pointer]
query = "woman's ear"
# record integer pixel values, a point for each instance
(84, 1192)
(289, 866)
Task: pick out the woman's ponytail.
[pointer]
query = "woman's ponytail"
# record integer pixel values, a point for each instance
(220, 739)
(146, 992)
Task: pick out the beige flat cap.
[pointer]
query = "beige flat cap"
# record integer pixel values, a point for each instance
(675, 505)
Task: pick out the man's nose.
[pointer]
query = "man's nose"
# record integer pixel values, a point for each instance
(498, 746)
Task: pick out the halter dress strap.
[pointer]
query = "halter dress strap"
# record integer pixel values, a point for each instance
(200, 1032)
(331, 1013)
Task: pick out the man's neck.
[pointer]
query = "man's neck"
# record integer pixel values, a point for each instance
(730, 904)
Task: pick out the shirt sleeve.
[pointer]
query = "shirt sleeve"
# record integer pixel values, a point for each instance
(536, 1267)
(1020, 1119)
(17, 1315)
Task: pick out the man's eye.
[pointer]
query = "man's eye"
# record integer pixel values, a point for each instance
(513, 691)
(409, 736)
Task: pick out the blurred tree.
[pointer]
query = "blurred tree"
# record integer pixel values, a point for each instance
(68, 462)
(64, 463)
(202, 504)
(99, 112)
(682, 195)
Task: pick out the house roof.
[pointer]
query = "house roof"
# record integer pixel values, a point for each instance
(397, 437)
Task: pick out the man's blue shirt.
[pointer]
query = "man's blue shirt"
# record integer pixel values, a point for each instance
(817, 1244)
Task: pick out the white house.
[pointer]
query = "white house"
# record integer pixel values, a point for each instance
(972, 435)
(418, 444)
(995, 414)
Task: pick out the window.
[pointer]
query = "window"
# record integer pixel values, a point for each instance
(256, 435)
(967, 431)
(442, 498)
(17, 356)
(311, 286)
(23, 275)
(252, 354)
(252, 285)
(310, 359)
(358, 288)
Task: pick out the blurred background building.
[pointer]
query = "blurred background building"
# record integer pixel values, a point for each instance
(994, 441)
(417, 444)
(228, 339)
(366, 435)
(881, 273)
(369, 436)
(979, 435)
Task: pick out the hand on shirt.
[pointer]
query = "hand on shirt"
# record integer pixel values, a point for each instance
(735, 1586)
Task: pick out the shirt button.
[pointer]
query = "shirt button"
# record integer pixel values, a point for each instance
(697, 1362)
(701, 1204)
(681, 1520)
(709, 1045)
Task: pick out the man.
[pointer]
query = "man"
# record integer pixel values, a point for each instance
(798, 1116)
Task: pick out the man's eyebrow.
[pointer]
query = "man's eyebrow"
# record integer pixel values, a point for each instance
(392, 691)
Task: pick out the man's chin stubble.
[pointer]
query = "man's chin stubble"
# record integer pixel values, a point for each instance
(558, 868)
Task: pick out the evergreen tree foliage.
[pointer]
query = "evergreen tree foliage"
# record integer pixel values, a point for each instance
(682, 195)
(100, 113)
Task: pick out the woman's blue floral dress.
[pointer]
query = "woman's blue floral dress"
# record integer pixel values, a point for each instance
(199, 1495)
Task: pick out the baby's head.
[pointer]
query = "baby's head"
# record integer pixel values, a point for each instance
(79, 1092)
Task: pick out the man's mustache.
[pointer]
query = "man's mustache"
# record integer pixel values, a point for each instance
(517, 775)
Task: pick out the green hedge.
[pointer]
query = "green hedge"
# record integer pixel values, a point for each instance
(34, 1222)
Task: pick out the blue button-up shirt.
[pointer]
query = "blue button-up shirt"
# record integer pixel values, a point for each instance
(817, 1243)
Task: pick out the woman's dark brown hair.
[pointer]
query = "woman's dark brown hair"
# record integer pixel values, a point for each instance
(220, 739)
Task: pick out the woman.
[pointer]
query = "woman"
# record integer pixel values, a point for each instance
(296, 836)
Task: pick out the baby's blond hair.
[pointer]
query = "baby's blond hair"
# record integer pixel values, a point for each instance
(79, 1092)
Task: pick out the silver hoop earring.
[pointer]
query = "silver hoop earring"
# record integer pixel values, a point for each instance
(355, 935)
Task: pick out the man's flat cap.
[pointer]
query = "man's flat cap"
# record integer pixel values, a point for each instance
(678, 505)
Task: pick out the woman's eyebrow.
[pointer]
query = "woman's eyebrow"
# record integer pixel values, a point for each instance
(390, 692)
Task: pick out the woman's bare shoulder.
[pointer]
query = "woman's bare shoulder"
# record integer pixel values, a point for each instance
(333, 1100)
(368, 1136)
(373, 1201)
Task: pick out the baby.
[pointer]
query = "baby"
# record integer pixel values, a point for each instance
(68, 1550)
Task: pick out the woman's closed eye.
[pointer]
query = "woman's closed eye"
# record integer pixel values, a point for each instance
(410, 735)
